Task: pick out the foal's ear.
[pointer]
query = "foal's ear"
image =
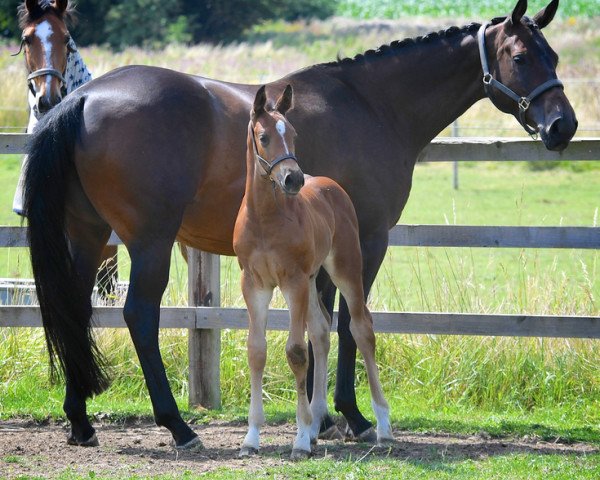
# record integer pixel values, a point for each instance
(259, 102)
(286, 101)
(545, 15)
(61, 5)
(518, 12)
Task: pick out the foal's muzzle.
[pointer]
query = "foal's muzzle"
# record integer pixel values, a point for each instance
(293, 181)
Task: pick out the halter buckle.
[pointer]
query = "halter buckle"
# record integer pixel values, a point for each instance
(487, 79)
(523, 104)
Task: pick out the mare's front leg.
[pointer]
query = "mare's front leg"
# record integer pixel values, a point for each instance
(373, 252)
(257, 301)
(296, 294)
(150, 262)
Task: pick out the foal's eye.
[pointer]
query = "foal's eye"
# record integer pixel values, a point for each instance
(26, 39)
(264, 140)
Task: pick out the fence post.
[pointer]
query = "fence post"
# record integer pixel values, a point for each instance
(455, 163)
(204, 346)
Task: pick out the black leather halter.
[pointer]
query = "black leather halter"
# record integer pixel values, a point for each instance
(489, 81)
(264, 163)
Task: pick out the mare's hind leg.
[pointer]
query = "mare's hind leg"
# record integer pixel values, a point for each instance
(257, 301)
(150, 262)
(88, 236)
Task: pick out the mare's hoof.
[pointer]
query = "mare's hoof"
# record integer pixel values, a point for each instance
(90, 442)
(332, 433)
(194, 445)
(247, 452)
(298, 454)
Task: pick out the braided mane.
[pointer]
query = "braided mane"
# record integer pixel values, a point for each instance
(393, 47)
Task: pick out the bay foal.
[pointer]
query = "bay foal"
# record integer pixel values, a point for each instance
(288, 226)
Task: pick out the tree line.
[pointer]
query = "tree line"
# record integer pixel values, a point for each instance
(152, 23)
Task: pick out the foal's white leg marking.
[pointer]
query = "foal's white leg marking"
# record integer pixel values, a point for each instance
(295, 300)
(44, 31)
(318, 332)
(280, 126)
(258, 305)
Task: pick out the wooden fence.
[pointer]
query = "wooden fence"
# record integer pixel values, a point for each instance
(204, 318)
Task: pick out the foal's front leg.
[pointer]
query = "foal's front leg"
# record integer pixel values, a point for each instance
(296, 350)
(257, 301)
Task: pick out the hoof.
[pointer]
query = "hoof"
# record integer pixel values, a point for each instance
(298, 454)
(332, 433)
(386, 442)
(368, 436)
(247, 452)
(194, 445)
(90, 442)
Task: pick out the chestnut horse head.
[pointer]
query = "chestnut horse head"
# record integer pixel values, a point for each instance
(47, 43)
(275, 146)
(519, 74)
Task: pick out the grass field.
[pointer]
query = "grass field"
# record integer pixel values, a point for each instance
(503, 386)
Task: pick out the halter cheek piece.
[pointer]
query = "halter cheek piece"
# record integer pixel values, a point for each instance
(489, 81)
(264, 163)
(42, 72)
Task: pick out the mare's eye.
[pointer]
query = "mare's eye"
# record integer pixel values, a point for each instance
(519, 59)
(26, 39)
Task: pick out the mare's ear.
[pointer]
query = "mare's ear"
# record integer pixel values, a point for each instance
(285, 101)
(259, 102)
(61, 5)
(518, 12)
(545, 15)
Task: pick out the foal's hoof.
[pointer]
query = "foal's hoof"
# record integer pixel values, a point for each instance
(332, 433)
(194, 445)
(247, 452)
(368, 436)
(90, 442)
(386, 442)
(298, 454)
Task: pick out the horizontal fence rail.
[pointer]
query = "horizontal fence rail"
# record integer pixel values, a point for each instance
(442, 323)
(436, 236)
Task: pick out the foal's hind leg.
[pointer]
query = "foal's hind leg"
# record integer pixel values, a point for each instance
(257, 301)
(346, 275)
(150, 261)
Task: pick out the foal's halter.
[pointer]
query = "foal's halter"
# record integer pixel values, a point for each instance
(489, 81)
(42, 72)
(264, 163)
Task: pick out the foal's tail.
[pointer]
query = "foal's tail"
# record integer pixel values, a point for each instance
(66, 309)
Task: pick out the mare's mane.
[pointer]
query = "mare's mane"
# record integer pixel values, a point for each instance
(42, 8)
(393, 47)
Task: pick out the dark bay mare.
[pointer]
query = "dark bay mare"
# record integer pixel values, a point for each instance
(54, 69)
(157, 156)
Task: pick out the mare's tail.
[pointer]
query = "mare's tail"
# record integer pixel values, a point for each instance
(66, 309)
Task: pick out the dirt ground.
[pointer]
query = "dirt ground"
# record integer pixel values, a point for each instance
(141, 448)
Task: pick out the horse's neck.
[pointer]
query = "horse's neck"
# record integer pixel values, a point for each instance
(422, 88)
(263, 201)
